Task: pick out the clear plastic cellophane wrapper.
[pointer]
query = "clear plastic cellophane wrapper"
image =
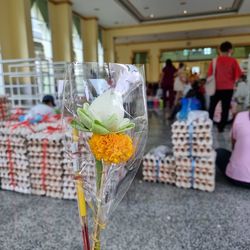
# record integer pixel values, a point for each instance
(105, 122)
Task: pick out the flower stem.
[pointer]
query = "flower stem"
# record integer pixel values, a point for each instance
(82, 211)
(97, 220)
(99, 168)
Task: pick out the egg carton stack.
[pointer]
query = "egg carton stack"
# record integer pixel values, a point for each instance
(88, 174)
(45, 152)
(14, 162)
(195, 157)
(4, 108)
(68, 189)
(87, 167)
(167, 170)
(159, 167)
(4, 124)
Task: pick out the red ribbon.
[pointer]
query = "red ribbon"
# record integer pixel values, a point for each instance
(44, 162)
(51, 130)
(51, 118)
(9, 150)
(16, 114)
(11, 164)
(23, 124)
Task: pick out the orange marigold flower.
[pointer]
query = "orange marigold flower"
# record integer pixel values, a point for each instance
(112, 148)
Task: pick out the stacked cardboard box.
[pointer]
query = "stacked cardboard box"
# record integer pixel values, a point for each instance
(85, 164)
(14, 163)
(159, 167)
(45, 150)
(4, 108)
(195, 157)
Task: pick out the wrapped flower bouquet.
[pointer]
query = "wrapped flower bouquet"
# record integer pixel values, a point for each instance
(104, 109)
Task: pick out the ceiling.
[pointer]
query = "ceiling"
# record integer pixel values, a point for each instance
(118, 13)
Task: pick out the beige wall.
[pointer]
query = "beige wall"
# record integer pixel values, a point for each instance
(125, 52)
(15, 29)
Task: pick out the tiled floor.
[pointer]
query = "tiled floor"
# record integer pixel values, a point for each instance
(151, 216)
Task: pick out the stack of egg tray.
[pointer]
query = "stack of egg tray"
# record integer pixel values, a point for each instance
(159, 169)
(45, 152)
(86, 167)
(14, 162)
(88, 175)
(4, 108)
(194, 154)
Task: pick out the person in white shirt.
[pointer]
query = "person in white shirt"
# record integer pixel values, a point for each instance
(41, 109)
(241, 93)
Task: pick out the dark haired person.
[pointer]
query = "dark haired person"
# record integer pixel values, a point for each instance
(193, 92)
(227, 72)
(45, 108)
(236, 166)
(167, 83)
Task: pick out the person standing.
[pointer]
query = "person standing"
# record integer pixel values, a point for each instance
(227, 72)
(180, 82)
(167, 83)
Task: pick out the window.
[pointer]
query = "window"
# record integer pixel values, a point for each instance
(140, 58)
(185, 52)
(40, 29)
(100, 49)
(207, 51)
(196, 69)
(77, 39)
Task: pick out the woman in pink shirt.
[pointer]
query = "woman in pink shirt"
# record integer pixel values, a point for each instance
(236, 166)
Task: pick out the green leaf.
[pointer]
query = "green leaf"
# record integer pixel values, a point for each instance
(87, 111)
(124, 123)
(111, 123)
(125, 128)
(99, 128)
(84, 118)
(78, 125)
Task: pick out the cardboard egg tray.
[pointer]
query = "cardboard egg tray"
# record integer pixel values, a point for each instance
(198, 173)
(201, 138)
(193, 162)
(19, 174)
(156, 169)
(45, 152)
(194, 139)
(50, 167)
(200, 184)
(69, 191)
(4, 107)
(88, 173)
(193, 150)
(184, 127)
(38, 168)
(195, 157)
(14, 163)
(20, 186)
